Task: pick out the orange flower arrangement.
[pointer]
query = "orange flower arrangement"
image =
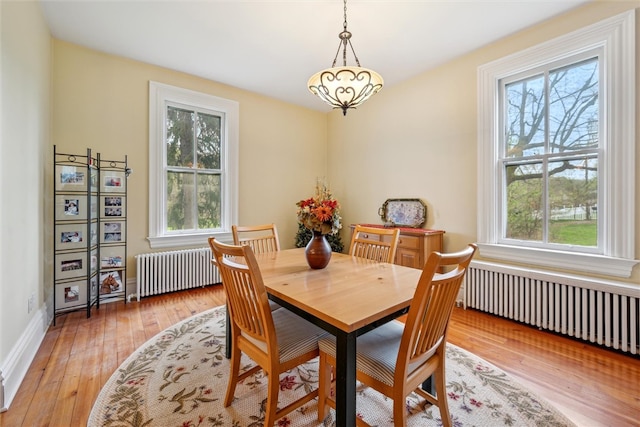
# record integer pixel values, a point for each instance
(321, 212)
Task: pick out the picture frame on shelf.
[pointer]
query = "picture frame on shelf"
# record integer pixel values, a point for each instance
(71, 178)
(94, 207)
(94, 179)
(70, 265)
(93, 268)
(113, 232)
(93, 283)
(70, 207)
(71, 236)
(112, 257)
(93, 234)
(113, 182)
(71, 294)
(113, 206)
(110, 283)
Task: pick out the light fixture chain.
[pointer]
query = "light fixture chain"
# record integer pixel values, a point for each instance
(354, 55)
(345, 15)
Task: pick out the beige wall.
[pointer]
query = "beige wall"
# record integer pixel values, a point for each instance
(25, 75)
(419, 139)
(101, 101)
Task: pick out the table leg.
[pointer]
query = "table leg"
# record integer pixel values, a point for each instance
(345, 379)
(429, 386)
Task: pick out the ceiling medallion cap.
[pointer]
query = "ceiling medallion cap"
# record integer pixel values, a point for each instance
(345, 87)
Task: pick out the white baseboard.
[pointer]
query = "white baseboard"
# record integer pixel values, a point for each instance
(20, 357)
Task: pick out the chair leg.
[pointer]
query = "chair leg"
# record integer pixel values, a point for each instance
(399, 411)
(234, 370)
(324, 385)
(272, 399)
(441, 395)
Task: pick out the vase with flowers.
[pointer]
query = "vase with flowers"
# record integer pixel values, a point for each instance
(321, 215)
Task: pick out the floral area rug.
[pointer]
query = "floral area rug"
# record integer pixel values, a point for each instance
(179, 378)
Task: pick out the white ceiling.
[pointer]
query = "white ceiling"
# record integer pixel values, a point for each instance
(272, 47)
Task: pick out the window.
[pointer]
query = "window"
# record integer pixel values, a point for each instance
(549, 157)
(556, 152)
(193, 146)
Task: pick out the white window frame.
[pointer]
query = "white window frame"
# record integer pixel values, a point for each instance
(616, 38)
(159, 96)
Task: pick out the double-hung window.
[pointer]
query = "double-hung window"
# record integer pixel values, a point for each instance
(193, 166)
(556, 152)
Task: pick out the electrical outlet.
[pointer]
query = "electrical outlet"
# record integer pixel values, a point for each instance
(31, 303)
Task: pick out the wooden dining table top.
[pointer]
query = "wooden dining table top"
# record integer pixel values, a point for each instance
(349, 293)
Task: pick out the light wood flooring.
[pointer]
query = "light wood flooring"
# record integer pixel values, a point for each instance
(592, 386)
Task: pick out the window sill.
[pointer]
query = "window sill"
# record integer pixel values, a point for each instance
(179, 241)
(583, 263)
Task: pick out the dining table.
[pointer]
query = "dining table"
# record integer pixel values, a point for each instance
(347, 298)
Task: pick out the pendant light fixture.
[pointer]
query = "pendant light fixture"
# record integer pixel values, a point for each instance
(347, 86)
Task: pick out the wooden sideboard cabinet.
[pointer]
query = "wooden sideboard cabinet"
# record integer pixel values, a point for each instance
(414, 245)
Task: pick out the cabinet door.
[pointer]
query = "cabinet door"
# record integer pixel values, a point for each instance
(408, 257)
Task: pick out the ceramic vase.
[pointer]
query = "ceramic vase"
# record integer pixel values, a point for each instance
(318, 251)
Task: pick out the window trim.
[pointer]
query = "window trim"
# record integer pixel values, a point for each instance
(616, 37)
(159, 95)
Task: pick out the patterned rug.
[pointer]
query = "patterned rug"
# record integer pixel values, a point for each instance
(179, 378)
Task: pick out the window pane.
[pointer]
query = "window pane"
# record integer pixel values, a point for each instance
(573, 107)
(524, 202)
(180, 125)
(209, 201)
(525, 117)
(180, 201)
(209, 141)
(573, 197)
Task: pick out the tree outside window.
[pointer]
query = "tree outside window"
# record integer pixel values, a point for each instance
(550, 155)
(193, 144)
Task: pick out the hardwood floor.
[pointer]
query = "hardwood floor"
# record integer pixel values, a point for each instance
(591, 385)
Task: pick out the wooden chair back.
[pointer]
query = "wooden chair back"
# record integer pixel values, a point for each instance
(247, 299)
(261, 238)
(428, 318)
(373, 243)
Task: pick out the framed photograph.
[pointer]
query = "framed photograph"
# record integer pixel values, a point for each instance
(113, 182)
(94, 287)
(94, 262)
(112, 206)
(94, 179)
(70, 265)
(112, 257)
(70, 207)
(94, 207)
(113, 231)
(71, 236)
(110, 283)
(93, 233)
(71, 294)
(71, 178)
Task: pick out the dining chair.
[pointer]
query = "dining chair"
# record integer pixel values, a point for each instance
(277, 341)
(261, 238)
(378, 244)
(396, 358)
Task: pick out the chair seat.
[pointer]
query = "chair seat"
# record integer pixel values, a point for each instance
(377, 351)
(296, 336)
